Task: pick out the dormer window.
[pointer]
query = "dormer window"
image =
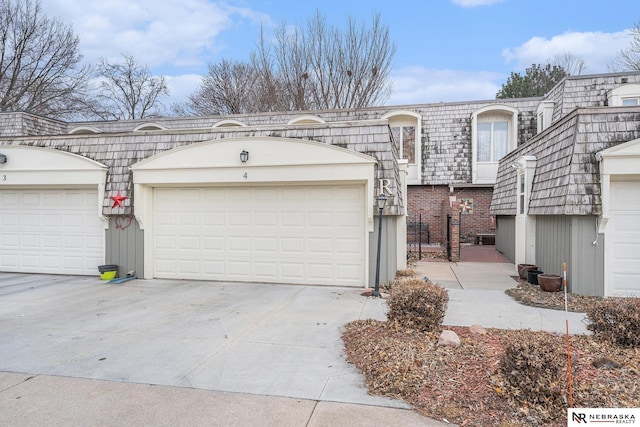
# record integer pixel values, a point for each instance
(306, 120)
(406, 133)
(493, 135)
(627, 95)
(544, 114)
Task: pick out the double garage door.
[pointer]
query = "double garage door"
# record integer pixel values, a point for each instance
(624, 238)
(284, 234)
(50, 231)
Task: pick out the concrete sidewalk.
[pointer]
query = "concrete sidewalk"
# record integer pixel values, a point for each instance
(45, 400)
(476, 297)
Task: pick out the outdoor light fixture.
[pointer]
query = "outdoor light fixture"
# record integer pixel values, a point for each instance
(3, 159)
(244, 156)
(381, 200)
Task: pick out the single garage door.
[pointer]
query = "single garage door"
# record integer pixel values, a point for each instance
(289, 234)
(624, 235)
(50, 231)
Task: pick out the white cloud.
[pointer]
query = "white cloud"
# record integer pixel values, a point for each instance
(168, 33)
(181, 86)
(474, 3)
(415, 85)
(597, 49)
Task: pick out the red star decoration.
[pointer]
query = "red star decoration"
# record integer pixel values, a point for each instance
(117, 200)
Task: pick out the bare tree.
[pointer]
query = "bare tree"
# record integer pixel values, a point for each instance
(304, 68)
(229, 88)
(571, 64)
(40, 64)
(628, 59)
(324, 67)
(127, 90)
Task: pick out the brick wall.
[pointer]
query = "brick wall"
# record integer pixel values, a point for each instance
(427, 200)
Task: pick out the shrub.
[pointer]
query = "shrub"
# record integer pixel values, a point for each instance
(534, 368)
(616, 320)
(418, 305)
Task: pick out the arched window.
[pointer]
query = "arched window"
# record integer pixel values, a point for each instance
(228, 123)
(627, 95)
(149, 126)
(494, 131)
(306, 120)
(406, 130)
(84, 130)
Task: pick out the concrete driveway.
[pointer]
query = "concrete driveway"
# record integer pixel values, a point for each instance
(276, 340)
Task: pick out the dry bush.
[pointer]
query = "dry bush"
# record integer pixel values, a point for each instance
(418, 305)
(409, 272)
(533, 371)
(616, 320)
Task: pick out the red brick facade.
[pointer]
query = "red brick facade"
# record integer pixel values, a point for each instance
(427, 200)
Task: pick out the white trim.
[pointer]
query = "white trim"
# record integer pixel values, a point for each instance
(149, 126)
(525, 232)
(619, 162)
(228, 123)
(83, 130)
(306, 120)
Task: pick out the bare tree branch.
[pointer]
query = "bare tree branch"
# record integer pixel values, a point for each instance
(303, 68)
(40, 64)
(127, 91)
(628, 59)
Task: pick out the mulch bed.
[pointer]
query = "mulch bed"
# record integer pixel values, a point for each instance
(463, 384)
(528, 294)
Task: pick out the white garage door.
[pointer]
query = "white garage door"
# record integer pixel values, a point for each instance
(304, 235)
(50, 231)
(623, 231)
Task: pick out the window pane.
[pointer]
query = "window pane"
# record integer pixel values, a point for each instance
(409, 143)
(484, 142)
(629, 102)
(500, 140)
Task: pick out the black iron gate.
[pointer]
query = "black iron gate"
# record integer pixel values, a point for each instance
(418, 234)
(449, 237)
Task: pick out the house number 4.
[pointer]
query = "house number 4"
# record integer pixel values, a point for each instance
(245, 176)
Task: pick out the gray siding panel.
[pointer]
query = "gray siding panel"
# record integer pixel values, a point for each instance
(125, 245)
(570, 239)
(587, 263)
(506, 236)
(553, 243)
(388, 250)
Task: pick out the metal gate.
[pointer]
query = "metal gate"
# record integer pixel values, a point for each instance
(418, 233)
(449, 237)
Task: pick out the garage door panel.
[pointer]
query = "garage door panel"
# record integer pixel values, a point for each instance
(58, 231)
(623, 238)
(274, 234)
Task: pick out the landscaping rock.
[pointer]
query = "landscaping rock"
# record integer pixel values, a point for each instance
(477, 330)
(449, 339)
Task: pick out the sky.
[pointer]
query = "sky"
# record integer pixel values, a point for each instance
(447, 50)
